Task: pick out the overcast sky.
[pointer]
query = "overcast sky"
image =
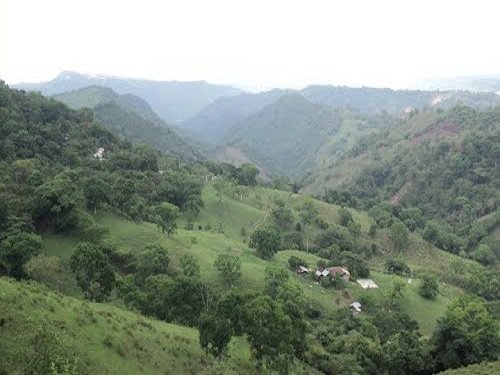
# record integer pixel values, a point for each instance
(253, 44)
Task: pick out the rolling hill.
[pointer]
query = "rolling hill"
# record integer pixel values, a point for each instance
(216, 120)
(173, 101)
(132, 118)
(292, 136)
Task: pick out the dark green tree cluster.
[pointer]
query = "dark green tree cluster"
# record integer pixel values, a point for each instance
(57, 168)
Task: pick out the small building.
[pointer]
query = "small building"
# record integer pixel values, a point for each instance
(341, 272)
(99, 154)
(355, 307)
(367, 283)
(334, 272)
(302, 270)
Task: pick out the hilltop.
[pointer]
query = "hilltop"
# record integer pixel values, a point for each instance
(174, 101)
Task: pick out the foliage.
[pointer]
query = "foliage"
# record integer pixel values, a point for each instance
(398, 267)
(275, 277)
(16, 249)
(399, 236)
(166, 215)
(215, 334)
(484, 255)
(229, 266)
(428, 287)
(265, 241)
(93, 271)
(153, 260)
(294, 262)
(467, 334)
(190, 266)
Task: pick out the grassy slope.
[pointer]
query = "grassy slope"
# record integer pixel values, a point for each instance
(252, 212)
(486, 368)
(114, 341)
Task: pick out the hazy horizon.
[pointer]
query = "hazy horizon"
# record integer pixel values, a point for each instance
(254, 46)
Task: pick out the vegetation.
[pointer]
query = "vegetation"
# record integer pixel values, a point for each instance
(222, 284)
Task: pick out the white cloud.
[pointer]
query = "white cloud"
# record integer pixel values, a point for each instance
(256, 43)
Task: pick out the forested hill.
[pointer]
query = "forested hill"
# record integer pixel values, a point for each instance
(292, 136)
(57, 165)
(445, 164)
(131, 117)
(173, 101)
(216, 120)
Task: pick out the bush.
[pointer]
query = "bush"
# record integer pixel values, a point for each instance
(484, 255)
(428, 287)
(397, 267)
(294, 262)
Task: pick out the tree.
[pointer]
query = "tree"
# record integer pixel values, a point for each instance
(56, 202)
(96, 191)
(269, 329)
(247, 174)
(215, 334)
(266, 242)
(396, 292)
(219, 186)
(166, 215)
(484, 255)
(282, 216)
(399, 236)
(153, 260)
(466, 334)
(344, 217)
(307, 214)
(94, 274)
(275, 277)
(229, 267)
(190, 266)
(294, 262)
(16, 249)
(405, 354)
(428, 287)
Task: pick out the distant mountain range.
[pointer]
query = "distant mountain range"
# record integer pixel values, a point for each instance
(173, 101)
(286, 132)
(131, 117)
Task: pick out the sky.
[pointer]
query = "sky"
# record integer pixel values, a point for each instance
(251, 44)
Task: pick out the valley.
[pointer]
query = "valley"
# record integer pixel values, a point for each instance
(155, 257)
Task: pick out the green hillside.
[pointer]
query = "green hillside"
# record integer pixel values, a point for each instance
(293, 135)
(131, 117)
(107, 339)
(151, 265)
(443, 163)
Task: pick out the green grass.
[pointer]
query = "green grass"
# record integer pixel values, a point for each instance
(113, 341)
(251, 212)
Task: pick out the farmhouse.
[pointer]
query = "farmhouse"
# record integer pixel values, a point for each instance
(334, 271)
(301, 270)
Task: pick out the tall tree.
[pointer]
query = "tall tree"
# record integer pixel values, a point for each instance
(266, 242)
(399, 236)
(166, 215)
(307, 214)
(229, 266)
(16, 249)
(93, 271)
(215, 334)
